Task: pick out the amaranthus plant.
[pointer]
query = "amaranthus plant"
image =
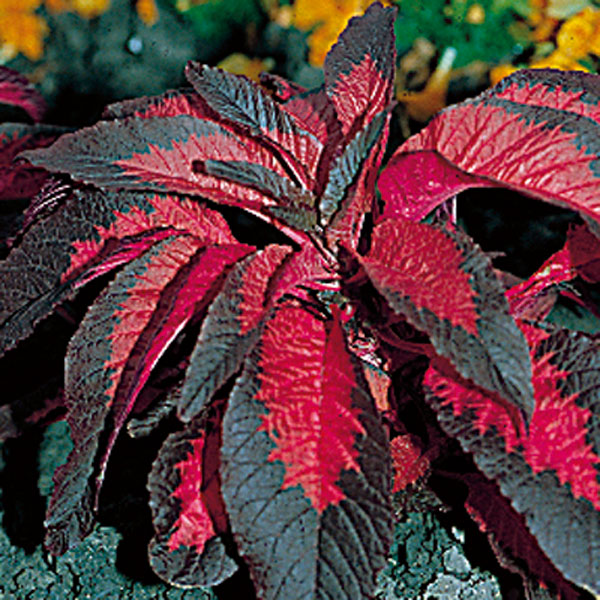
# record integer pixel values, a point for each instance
(281, 454)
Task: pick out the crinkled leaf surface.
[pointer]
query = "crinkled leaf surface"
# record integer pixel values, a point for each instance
(230, 329)
(305, 458)
(346, 167)
(159, 154)
(359, 198)
(584, 251)
(169, 104)
(240, 101)
(529, 299)
(359, 69)
(188, 511)
(359, 75)
(302, 273)
(111, 355)
(295, 206)
(409, 463)
(19, 181)
(536, 132)
(444, 285)
(90, 234)
(551, 472)
(315, 112)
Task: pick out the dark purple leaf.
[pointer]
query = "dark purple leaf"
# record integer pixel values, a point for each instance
(359, 69)
(159, 154)
(110, 358)
(90, 234)
(240, 101)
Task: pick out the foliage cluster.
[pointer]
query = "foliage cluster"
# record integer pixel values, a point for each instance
(348, 350)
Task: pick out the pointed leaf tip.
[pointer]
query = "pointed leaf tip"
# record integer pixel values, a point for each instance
(359, 68)
(345, 168)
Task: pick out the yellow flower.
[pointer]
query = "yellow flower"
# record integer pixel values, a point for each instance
(558, 60)
(475, 14)
(240, 64)
(147, 11)
(21, 30)
(421, 106)
(89, 9)
(326, 19)
(575, 34)
(578, 36)
(543, 24)
(499, 72)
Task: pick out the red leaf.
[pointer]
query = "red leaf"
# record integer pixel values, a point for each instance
(170, 104)
(528, 299)
(194, 526)
(550, 472)
(169, 213)
(534, 132)
(160, 154)
(17, 90)
(407, 259)
(304, 271)
(19, 180)
(133, 322)
(349, 166)
(316, 113)
(359, 69)
(295, 206)
(90, 234)
(444, 285)
(187, 509)
(298, 434)
(288, 396)
(346, 226)
(412, 184)
(182, 298)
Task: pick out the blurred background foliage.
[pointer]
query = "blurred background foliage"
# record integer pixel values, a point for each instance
(84, 54)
